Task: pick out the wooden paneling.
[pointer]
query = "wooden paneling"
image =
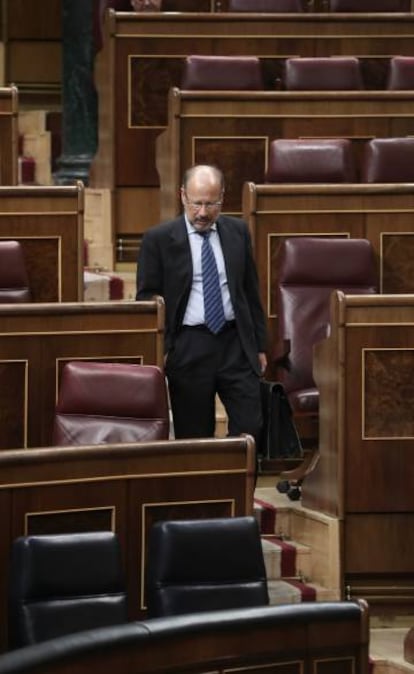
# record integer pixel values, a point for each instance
(123, 488)
(9, 135)
(142, 58)
(381, 213)
(365, 471)
(37, 339)
(33, 53)
(234, 129)
(48, 222)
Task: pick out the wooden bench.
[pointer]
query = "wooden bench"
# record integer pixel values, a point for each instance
(234, 129)
(37, 339)
(365, 472)
(142, 58)
(48, 222)
(123, 488)
(378, 212)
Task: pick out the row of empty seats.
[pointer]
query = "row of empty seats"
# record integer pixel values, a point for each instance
(193, 565)
(332, 73)
(384, 160)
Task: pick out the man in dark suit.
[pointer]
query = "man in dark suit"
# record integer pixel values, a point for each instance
(202, 361)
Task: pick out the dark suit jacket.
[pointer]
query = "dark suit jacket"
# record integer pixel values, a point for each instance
(165, 268)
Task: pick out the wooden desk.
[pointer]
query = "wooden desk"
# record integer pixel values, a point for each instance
(142, 59)
(9, 135)
(48, 222)
(234, 129)
(123, 488)
(36, 340)
(381, 213)
(365, 473)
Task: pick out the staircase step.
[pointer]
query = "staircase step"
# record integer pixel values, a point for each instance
(290, 592)
(285, 559)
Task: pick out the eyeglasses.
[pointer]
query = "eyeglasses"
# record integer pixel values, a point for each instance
(198, 205)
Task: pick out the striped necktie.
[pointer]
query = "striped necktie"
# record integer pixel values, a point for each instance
(214, 317)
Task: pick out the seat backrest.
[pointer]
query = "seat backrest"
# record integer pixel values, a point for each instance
(309, 161)
(205, 565)
(102, 403)
(309, 269)
(265, 6)
(14, 280)
(388, 160)
(331, 73)
(64, 583)
(370, 5)
(222, 73)
(401, 73)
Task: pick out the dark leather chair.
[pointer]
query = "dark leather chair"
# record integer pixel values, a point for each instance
(309, 269)
(370, 5)
(14, 279)
(401, 73)
(206, 73)
(65, 583)
(102, 403)
(388, 160)
(205, 565)
(331, 73)
(288, 6)
(309, 161)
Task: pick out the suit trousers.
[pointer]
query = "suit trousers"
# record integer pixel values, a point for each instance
(201, 365)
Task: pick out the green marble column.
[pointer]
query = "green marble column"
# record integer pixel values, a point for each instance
(79, 98)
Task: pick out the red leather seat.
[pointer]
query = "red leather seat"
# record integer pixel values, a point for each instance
(14, 279)
(331, 73)
(370, 5)
(401, 73)
(310, 268)
(308, 161)
(388, 160)
(101, 403)
(222, 73)
(287, 6)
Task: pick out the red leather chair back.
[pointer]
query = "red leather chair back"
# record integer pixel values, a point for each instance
(14, 280)
(401, 73)
(388, 160)
(287, 6)
(222, 73)
(310, 268)
(370, 5)
(103, 403)
(331, 73)
(311, 161)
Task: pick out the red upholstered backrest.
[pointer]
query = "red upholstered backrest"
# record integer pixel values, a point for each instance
(102, 403)
(14, 280)
(265, 6)
(222, 73)
(370, 5)
(401, 73)
(308, 161)
(388, 160)
(310, 268)
(331, 73)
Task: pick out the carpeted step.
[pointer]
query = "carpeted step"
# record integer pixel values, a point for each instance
(290, 592)
(285, 559)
